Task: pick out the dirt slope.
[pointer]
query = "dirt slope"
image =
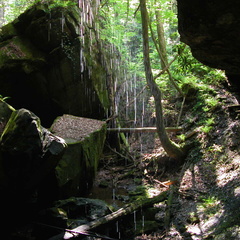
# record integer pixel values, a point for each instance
(205, 190)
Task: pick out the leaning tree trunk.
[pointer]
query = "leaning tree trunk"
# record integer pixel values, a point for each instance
(161, 46)
(172, 149)
(161, 38)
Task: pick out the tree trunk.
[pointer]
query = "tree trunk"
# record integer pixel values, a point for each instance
(161, 47)
(172, 149)
(161, 39)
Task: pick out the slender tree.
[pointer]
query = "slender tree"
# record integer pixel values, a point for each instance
(160, 44)
(172, 149)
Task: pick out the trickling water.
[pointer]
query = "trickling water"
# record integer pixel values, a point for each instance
(135, 99)
(143, 111)
(62, 22)
(143, 223)
(134, 220)
(117, 229)
(81, 61)
(127, 103)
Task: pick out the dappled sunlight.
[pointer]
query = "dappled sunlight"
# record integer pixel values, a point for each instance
(193, 179)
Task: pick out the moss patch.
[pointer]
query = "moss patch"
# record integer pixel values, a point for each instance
(85, 139)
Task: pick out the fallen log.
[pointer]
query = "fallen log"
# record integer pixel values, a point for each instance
(143, 129)
(128, 209)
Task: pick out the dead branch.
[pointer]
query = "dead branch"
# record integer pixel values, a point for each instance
(128, 209)
(143, 129)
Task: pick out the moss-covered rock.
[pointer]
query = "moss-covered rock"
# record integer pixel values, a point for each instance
(28, 152)
(20, 53)
(51, 62)
(85, 138)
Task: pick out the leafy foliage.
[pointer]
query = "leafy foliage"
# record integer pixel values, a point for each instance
(11, 9)
(3, 98)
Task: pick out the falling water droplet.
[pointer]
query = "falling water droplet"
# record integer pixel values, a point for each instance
(143, 223)
(135, 221)
(135, 99)
(62, 22)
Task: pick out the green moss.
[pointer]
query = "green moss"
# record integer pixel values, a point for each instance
(98, 77)
(11, 125)
(209, 206)
(14, 123)
(5, 111)
(98, 71)
(79, 163)
(189, 89)
(21, 52)
(7, 31)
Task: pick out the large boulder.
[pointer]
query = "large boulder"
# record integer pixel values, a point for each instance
(211, 29)
(51, 63)
(85, 139)
(29, 153)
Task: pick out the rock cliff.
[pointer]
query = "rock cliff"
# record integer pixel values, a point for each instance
(51, 62)
(211, 29)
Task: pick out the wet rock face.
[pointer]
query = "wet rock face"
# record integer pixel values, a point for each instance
(211, 29)
(51, 64)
